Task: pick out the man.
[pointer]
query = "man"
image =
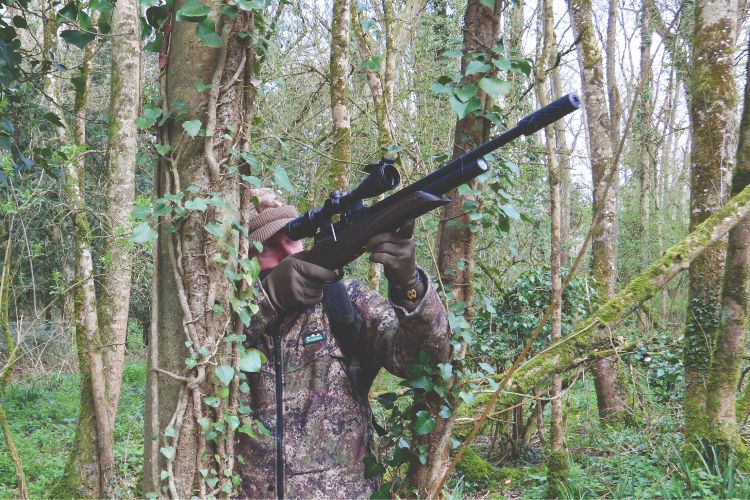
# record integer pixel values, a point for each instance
(320, 424)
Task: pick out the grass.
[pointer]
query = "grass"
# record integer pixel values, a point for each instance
(43, 413)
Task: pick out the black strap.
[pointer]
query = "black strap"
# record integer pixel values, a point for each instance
(346, 326)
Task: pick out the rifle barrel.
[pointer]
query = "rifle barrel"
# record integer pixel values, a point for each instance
(468, 166)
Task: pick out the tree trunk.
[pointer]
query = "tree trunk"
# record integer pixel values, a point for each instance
(114, 293)
(711, 107)
(645, 138)
(723, 376)
(456, 242)
(557, 460)
(192, 293)
(342, 133)
(90, 469)
(6, 370)
(604, 172)
(563, 155)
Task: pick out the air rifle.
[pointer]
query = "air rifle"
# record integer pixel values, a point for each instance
(339, 242)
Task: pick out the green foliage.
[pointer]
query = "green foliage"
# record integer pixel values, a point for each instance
(507, 319)
(45, 412)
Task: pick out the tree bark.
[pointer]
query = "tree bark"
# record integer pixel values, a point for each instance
(114, 293)
(192, 291)
(456, 242)
(645, 137)
(342, 134)
(729, 348)
(557, 459)
(604, 244)
(6, 370)
(711, 107)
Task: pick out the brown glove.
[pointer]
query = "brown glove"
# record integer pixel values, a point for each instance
(294, 284)
(397, 253)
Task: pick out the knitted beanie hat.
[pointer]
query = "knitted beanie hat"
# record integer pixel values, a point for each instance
(271, 215)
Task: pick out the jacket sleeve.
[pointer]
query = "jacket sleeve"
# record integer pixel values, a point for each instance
(264, 318)
(394, 335)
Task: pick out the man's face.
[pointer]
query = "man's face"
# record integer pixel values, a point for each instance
(276, 249)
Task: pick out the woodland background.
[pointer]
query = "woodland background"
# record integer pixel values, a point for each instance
(587, 363)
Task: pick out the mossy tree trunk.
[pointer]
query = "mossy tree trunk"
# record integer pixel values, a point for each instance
(729, 348)
(711, 106)
(6, 369)
(456, 242)
(193, 312)
(557, 460)
(341, 153)
(644, 132)
(90, 471)
(114, 293)
(604, 176)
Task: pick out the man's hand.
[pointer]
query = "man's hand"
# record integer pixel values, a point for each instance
(397, 253)
(295, 284)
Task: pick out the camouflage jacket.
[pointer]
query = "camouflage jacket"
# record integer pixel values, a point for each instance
(325, 430)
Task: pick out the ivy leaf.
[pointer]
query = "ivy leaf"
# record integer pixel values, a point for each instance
(372, 467)
(202, 87)
(192, 127)
(163, 475)
(511, 211)
(150, 115)
(251, 361)
(252, 180)
(225, 374)
(249, 5)
(78, 38)
(214, 229)
(167, 451)
(490, 4)
(282, 180)
(453, 54)
(233, 421)
(193, 12)
(143, 233)
(501, 62)
(209, 37)
(163, 149)
(421, 383)
(465, 92)
(494, 87)
(53, 119)
(170, 433)
(458, 106)
(212, 481)
(446, 371)
(445, 412)
(388, 400)
(477, 67)
(212, 401)
(196, 204)
(425, 423)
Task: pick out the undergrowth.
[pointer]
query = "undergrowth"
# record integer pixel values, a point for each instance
(43, 413)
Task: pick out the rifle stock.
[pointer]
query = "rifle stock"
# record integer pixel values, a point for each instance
(350, 241)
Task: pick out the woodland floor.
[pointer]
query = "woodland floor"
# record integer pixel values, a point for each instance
(641, 462)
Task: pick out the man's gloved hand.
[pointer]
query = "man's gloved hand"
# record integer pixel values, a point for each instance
(397, 253)
(294, 284)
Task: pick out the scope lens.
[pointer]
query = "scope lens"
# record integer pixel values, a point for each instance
(389, 176)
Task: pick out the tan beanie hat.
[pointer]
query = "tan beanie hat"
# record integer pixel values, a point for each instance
(271, 215)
